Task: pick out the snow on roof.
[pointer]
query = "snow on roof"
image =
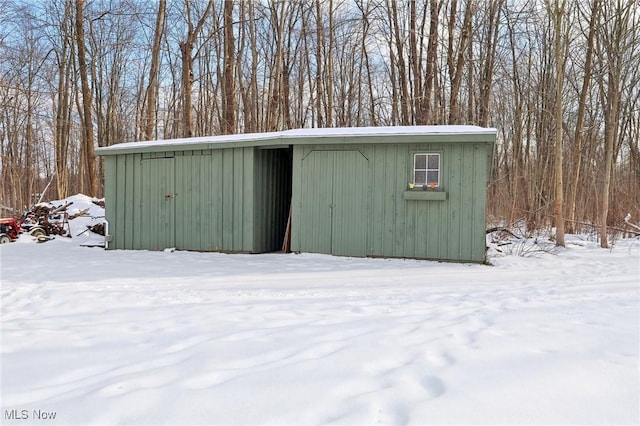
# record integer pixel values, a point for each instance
(308, 133)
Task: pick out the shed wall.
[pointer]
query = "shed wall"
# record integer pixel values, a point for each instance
(348, 198)
(449, 226)
(191, 200)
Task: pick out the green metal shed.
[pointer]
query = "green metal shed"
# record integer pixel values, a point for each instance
(414, 191)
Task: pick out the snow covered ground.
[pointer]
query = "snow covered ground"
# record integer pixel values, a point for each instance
(95, 337)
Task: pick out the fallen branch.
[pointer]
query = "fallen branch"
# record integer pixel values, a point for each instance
(613, 228)
(627, 220)
(80, 213)
(60, 208)
(501, 229)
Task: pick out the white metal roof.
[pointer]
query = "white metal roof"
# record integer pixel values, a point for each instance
(303, 133)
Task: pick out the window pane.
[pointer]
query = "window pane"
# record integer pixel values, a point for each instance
(420, 178)
(432, 177)
(434, 162)
(420, 161)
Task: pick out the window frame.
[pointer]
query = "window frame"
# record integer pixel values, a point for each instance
(426, 170)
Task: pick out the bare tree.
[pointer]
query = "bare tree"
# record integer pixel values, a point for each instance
(186, 49)
(100, 72)
(557, 10)
(61, 138)
(151, 92)
(365, 9)
(614, 44)
(488, 59)
(456, 57)
(398, 62)
(248, 48)
(90, 171)
(582, 106)
(229, 98)
(432, 56)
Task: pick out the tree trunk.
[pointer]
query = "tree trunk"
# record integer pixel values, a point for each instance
(432, 57)
(186, 49)
(63, 115)
(229, 98)
(493, 27)
(319, 67)
(614, 50)
(367, 64)
(328, 73)
(187, 87)
(456, 72)
(89, 157)
(609, 140)
(400, 65)
(582, 106)
(151, 93)
(559, 53)
(251, 108)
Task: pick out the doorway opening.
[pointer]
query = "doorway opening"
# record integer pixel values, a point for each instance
(272, 201)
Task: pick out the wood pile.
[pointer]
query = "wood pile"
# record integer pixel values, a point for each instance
(53, 220)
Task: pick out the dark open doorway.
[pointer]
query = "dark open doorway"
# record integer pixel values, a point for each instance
(272, 197)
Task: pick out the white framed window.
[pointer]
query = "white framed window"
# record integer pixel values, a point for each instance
(426, 169)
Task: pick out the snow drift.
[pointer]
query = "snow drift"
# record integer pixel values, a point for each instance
(132, 337)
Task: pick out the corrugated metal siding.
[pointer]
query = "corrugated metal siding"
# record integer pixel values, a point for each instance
(271, 198)
(191, 200)
(451, 229)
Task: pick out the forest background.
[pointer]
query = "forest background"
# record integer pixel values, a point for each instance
(558, 79)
